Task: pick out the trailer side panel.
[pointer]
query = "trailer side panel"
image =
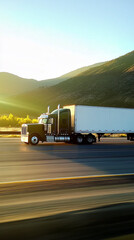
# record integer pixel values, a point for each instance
(103, 120)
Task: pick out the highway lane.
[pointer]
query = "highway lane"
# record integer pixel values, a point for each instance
(71, 213)
(20, 161)
(17, 205)
(112, 196)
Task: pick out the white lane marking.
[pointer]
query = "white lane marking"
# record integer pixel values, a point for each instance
(67, 178)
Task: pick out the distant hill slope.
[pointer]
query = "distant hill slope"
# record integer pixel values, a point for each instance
(11, 84)
(55, 81)
(6, 107)
(111, 84)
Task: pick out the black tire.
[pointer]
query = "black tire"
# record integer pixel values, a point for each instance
(79, 139)
(89, 139)
(34, 139)
(131, 138)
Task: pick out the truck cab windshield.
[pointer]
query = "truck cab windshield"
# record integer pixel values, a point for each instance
(43, 120)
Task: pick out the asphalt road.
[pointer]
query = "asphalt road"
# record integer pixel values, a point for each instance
(19, 161)
(18, 205)
(110, 199)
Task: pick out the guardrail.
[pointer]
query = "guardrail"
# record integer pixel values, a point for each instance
(10, 132)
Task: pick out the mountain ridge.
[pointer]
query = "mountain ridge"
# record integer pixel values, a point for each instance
(110, 84)
(12, 84)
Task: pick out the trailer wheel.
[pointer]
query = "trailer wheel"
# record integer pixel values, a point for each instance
(131, 138)
(79, 139)
(89, 139)
(34, 139)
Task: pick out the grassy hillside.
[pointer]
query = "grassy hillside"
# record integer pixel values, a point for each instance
(6, 107)
(11, 84)
(111, 84)
(55, 81)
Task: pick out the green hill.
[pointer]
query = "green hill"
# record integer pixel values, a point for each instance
(55, 81)
(11, 84)
(111, 84)
(6, 107)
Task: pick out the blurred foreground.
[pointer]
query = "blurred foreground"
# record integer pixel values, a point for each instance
(34, 205)
(68, 209)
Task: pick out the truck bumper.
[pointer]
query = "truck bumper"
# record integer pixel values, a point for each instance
(25, 138)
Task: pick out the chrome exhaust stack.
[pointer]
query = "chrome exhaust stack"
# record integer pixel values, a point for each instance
(48, 110)
(58, 122)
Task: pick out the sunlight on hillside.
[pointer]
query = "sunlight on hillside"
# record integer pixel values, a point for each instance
(108, 84)
(13, 104)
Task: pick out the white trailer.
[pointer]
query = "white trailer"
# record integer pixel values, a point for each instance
(91, 119)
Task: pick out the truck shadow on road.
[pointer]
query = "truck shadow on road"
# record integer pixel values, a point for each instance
(88, 159)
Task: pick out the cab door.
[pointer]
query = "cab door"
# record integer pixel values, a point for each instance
(65, 122)
(52, 126)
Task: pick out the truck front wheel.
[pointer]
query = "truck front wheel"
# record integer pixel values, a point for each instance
(34, 139)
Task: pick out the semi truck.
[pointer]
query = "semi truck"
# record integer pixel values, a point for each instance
(79, 124)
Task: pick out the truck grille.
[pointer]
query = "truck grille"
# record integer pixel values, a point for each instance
(24, 130)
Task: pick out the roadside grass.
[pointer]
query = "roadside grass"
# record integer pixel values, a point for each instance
(108, 135)
(115, 135)
(10, 136)
(11, 129)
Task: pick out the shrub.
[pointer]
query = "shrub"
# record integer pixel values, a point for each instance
(12, 121)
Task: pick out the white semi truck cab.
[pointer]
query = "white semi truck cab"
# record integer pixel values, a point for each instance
(78, 124)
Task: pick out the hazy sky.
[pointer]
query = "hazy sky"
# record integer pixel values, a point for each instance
(46, 38)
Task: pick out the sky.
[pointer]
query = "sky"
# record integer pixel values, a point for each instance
(45, 39)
